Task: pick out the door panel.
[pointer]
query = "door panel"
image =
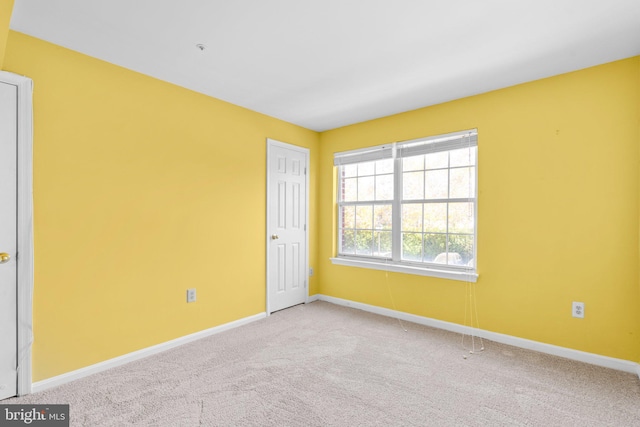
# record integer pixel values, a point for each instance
(287, 241)
(8, 242)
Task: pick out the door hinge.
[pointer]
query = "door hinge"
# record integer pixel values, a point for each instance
(305, 171)
(305, 227)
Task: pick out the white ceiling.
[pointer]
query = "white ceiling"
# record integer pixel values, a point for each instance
(324, 64)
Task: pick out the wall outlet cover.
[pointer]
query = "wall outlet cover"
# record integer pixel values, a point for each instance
(577, 310)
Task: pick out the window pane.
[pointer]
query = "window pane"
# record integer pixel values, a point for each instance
(434, 245)
(413, 186)
(436, 184)
(348, 216)
(365, 188)
(382, 244)
(412, 246)
(365, 168)
(349, 170)
(412, 217)
(349, 189)
(462, 244)
(463, 182)
(382, 217)
(435, 217)
(436, 204)
(415, 163)
(364, 216)
(437, 160)
(348, 242)
(463, 157)
(461, 218)
(384, 187)
(364, 241)
(384, 166)
(450, 258)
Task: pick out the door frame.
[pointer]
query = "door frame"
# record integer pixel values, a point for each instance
(274, 143)
(24, 256)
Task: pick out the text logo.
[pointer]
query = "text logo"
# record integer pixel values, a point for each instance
(34, 415)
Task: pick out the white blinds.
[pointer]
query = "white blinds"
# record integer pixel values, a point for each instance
(363, 155)
(435, 144)
(414, 147)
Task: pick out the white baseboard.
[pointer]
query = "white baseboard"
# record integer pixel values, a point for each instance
(567, 353)
(145, 352)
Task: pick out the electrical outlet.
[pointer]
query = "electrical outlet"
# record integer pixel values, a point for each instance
(311, 271)
(577, 310)
(191, 295)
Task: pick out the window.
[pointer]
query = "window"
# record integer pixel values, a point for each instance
(410, 206)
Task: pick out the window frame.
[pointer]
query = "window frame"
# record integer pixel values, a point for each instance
(398, 151)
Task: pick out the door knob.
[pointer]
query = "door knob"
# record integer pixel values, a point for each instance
(4, 257)
(274, 237)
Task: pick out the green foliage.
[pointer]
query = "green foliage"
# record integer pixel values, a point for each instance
(366, 242)
(415, 247)
(462, 244)
(434, 244)
(412, 246)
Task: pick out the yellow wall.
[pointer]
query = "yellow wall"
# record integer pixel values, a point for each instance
(557, 211)
(142, 189)
(6, 7)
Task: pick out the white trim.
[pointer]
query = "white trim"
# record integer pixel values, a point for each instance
(567, 353)
(136, 355)
(24, 257)
(399, 268)
(313, 298)
(306, 152)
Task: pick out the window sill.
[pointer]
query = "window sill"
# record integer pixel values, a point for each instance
(463, 276)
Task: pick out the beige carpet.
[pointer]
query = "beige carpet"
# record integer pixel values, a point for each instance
(326, 365)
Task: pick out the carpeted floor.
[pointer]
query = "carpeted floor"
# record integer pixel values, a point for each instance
(325, 365)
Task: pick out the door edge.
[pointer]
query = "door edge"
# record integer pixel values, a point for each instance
(25, 256)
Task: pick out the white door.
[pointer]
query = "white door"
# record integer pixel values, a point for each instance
(8, 242)
(287, 249)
